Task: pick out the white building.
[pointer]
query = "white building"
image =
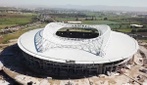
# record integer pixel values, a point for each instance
(74, 22)
(55, 55)
(136, 26)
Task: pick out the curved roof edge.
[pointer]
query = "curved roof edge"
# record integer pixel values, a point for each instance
(26, 47)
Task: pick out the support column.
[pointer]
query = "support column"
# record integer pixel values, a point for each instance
(111, 67)
(101, 68)
(98, 69)
(105, 69)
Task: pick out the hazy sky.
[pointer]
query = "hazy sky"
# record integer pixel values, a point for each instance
(132, 3)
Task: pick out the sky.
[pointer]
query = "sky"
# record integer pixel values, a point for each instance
(130, 3)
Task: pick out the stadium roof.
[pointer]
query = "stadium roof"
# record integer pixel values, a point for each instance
(110, 46)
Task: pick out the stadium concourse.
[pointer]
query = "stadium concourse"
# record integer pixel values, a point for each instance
(76, 50)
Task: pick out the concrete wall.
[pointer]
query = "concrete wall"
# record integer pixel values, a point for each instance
(66, 70)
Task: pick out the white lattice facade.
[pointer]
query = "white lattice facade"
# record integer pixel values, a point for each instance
(94, 46)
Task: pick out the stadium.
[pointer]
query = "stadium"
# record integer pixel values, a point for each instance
(76, 50)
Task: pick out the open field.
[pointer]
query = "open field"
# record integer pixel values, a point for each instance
(11, 20)
(7, 20)
(126, 30)
(118, 22)
(18, 33)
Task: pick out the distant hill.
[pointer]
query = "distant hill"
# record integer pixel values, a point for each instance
(7, 8)
(103, 8)
(92, 7)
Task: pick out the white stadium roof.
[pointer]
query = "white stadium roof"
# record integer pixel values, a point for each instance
(109, 46)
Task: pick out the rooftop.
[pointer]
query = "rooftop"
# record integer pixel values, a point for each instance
(109, 46)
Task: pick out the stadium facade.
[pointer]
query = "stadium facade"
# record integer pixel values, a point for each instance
(71, 50)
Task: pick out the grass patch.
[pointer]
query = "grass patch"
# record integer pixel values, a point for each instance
(7, 20)
(99, 22)
(126, 30)
(14, 35)
(17, 34)
(65, 19)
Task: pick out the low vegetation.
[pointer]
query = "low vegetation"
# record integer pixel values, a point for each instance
(17, 34)
(118, 22)
(7, 20)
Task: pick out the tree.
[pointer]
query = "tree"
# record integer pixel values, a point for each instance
(105, 18)
(77, 18)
